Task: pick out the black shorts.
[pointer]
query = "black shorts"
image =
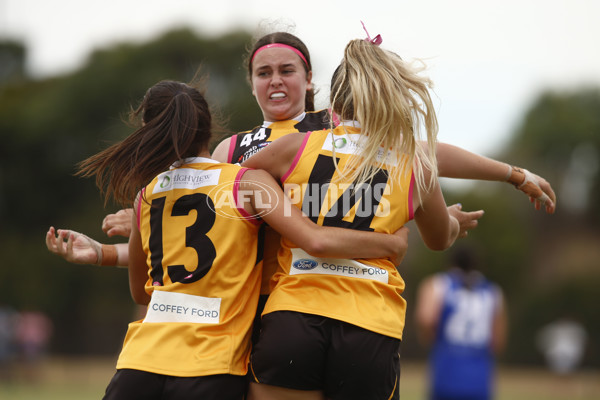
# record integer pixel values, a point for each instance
(310, 352)
(262, 300)
(132, 384)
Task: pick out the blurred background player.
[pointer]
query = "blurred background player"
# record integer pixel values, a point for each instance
(461, 317)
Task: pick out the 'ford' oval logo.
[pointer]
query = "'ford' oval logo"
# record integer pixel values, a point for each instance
(305, 264)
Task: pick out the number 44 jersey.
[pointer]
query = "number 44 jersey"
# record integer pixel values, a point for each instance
(365, 292)
(201, 254)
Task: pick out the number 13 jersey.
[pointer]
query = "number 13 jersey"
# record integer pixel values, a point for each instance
(201, 251)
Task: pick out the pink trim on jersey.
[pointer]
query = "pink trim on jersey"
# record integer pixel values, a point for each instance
(411, 212)
(334, 117)
(139, 208)
(296, 158)
(242, 210)
(232, 143)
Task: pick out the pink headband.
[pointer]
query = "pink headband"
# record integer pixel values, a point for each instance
(284, 46)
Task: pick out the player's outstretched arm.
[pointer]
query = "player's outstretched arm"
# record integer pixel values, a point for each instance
(77, 248)
(537, 188)
(455, 162)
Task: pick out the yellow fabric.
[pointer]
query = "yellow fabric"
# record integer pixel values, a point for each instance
(369, 303)
(249, 143)
(180, 347)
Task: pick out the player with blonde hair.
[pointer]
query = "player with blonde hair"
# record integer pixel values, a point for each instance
(332, 327)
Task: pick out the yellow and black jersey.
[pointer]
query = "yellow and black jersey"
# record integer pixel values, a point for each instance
(365, 292)
(245, 144)
(204, 285)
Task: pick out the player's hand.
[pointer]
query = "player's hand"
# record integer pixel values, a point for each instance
(77, 248)
(402, 234)
(467, 220)
(118, 223)
(537, 188)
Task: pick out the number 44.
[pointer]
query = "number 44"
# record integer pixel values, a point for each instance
(249, 137)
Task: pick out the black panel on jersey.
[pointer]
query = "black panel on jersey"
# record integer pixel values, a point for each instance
(314, 121)
(251, 142)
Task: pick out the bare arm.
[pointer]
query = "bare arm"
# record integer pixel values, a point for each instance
(221, 152)
(80, 249)
(278, 156)
(439, 226)
(138, 267)
(277, 210)
(455, 162)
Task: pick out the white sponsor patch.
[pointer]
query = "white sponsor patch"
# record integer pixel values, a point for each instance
(186, 178)
(180, 307)
(304, 263)
(351, 144)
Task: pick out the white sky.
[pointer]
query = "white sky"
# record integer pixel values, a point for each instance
(489, 59)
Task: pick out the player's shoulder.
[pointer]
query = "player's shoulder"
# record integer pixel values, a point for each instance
(221, 151)
(290, 142)
(315, 120)
(253, 130)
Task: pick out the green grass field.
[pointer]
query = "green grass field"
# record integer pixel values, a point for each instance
(83, 379)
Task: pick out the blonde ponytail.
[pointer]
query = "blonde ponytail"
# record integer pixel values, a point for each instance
(392, 103)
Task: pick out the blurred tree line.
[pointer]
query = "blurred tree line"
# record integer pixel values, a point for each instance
(547, 265)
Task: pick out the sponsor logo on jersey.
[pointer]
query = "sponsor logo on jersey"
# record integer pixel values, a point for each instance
(353, 143)
(339, 143)
(247, 154)
(305, 264)
(186, 178)
(180, 307)
(165, 182)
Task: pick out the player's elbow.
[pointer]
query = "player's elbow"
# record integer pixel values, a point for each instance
(141, 299)
(440, 243)
(443, 237)
(317, 246)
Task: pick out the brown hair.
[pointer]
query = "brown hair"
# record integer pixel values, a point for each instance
(290, 40)
(176, 123)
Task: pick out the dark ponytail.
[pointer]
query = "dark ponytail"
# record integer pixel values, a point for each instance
(176, 124)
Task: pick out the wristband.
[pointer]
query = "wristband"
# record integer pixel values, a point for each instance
(509, 172)
(526, 182)
(108, 255)
(516, 176)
